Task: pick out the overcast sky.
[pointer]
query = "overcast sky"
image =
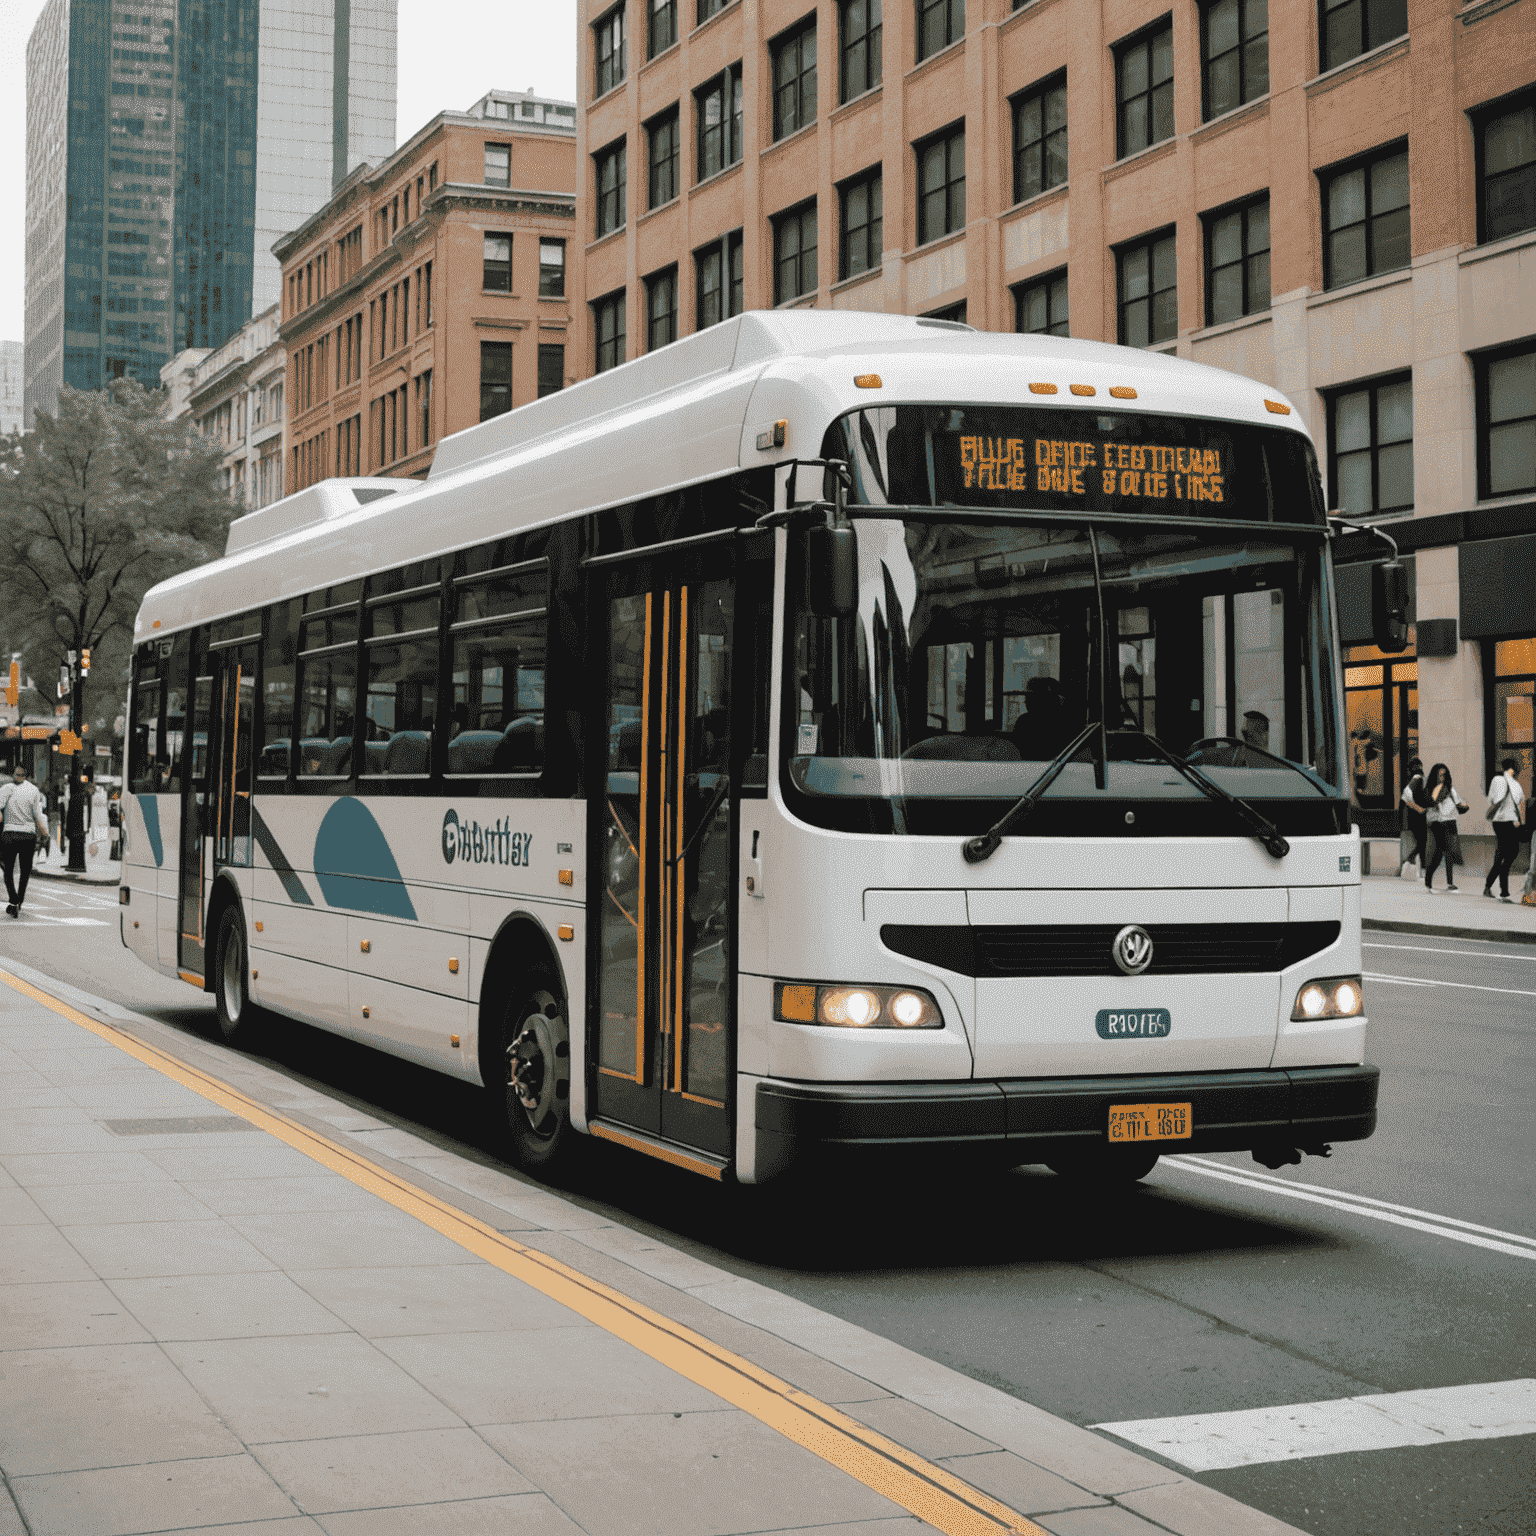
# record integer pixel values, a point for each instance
(451, 53)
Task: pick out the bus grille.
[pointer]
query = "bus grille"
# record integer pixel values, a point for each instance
(1178, 949)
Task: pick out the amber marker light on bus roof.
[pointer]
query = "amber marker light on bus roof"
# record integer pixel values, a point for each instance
(1277, 408)
(1122, 392)
(866, 381)
(1084, 389)
(1042, 389)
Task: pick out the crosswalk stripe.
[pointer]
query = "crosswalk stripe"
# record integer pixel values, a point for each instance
(1207, 1442)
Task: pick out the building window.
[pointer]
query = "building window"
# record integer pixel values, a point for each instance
(660, 309)
(861, 240)
(663, 27)
(609, 39)
(939, 23)
(708, 8)
(941, 184)
(424, 407)
(608, 331)
(1149, 291)
(608, 165)
(1237, 261)
(1040, 307)
(662, 136)
(498, 165)
(1144, 90)
(717, 280)
(495, 378)
(1506, 169)
(1234, 47)
(1370, 448)
(498, 264)
(551, 269)
(953, 313)
(1514, 708)
(1353, 27)
(1506, 422)
(551, 369)
(719, 116)
(859, 30)
(1365, 218)
(794, 253)
(794, 79)
(1040, 139)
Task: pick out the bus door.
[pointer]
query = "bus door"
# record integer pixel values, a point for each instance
(662, 816)
(216, 826)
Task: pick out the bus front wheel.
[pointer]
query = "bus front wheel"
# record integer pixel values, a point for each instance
(535, 1075)
(231, 980)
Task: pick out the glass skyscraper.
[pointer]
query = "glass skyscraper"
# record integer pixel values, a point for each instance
(169, 143)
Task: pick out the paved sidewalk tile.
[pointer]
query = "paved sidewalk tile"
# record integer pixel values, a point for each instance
(187, 1307)
(100, 1406)
(36, 1255)
(339, 1240)
(309, 1387)
(57, 1316)
(1018, 1483)
(18, 1209)
(284, 1193)
(381, 1471)
(155, 1496)
(528, 1514)
(1106, 1520)
(115, 1167)
(141, 1248)
(917, 1429)
(697, 1474)
(89, 1205)
(1191, 1509)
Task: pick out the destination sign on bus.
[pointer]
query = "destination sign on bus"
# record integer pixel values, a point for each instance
(1144, 471)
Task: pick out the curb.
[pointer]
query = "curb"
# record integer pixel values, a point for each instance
(86, 877)
(1443, 930)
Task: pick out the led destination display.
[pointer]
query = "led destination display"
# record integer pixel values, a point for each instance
(1154, 471)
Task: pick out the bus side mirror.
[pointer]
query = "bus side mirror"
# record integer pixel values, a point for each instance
(1389, 605)
(830, 567)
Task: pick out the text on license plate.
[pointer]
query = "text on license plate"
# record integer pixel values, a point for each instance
(1150, 1122)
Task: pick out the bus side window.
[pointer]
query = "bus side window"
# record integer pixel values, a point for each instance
(500, 641)
(175, 670)
(279, 663)
(326, 694)
(144, 728)
(402, 654)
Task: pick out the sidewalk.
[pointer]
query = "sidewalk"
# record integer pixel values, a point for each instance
(1399, 904)
(213, 1313)
(99, 869)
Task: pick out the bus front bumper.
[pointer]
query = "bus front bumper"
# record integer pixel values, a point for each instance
(1034, 1120)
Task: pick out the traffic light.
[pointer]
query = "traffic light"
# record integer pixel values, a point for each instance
(85, 661)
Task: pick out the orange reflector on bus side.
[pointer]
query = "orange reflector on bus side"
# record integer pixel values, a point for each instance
(1122, 392)
(1277, 408)
(797, 1003)
(566, 932)
(567, 877)
(1084, 389)
(866, 381)
(1042, 389)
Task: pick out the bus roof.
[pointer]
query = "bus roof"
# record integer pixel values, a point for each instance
(689, 412)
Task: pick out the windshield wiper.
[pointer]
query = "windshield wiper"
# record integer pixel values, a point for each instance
(983, 847)
(1260, 826)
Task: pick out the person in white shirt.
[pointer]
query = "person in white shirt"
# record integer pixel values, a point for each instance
(1506, 808)
(1413, 811)
(23, 820)
(1442, 808)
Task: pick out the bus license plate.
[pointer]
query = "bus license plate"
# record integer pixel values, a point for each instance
(1150, 1122)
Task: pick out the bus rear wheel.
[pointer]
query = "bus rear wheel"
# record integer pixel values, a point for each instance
(232, 980)
(535, 1085)
(1106, 1165)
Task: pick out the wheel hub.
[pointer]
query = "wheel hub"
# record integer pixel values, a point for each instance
(538, 1063)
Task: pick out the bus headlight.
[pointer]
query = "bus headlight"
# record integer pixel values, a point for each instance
(1333, 997)
(853, 1007)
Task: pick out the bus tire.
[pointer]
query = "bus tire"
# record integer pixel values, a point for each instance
(1106, 1165)
(232, 980)
(534, 1086)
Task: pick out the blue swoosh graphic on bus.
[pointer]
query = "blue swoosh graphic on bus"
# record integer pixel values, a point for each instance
(279, 861)
(151, 809)
(354, 866)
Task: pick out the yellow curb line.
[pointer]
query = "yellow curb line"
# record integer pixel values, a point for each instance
(927, 1491)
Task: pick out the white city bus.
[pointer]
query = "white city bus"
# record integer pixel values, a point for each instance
(832, 735)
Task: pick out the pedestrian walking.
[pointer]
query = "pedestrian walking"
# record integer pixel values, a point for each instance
(115, 822)
(23, 821)
(1415, 828)
(1442, 809)
(1506, 810)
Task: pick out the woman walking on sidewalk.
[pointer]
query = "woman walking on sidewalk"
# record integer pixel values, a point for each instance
(1505, 810)
(22, 822)
(1413, 800)
(1441, 811)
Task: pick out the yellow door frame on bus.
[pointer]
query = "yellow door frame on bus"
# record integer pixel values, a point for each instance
(216, 815)
(664, 770)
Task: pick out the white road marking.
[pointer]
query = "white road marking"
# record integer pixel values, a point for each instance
(1425, 981)
(1205, 1442)
(1474, 954)
(1512, 1243)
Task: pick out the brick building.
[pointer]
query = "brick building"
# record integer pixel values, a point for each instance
(1336, 198)
(430, 292)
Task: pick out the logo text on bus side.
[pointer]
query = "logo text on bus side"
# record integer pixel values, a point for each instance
(494, 843)
(1154, 471)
